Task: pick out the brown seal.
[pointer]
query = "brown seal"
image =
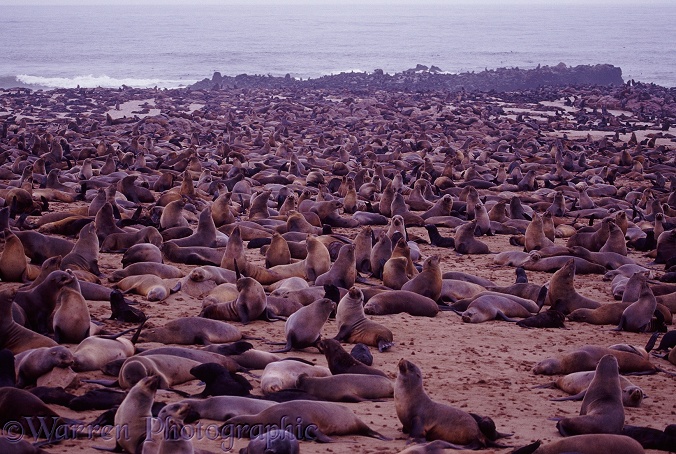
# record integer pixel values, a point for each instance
(396, 301)
(134, 413)
(71, 320)
(341, 362)
(587, 358)
(343, 272)
(170, 369)
(250, 304)
(466, 243)
(303, 327)
(380, 254)
(39, 247)
(562, 295)
(586, 444)
(23, 408)
(278, 253)
(281, 375)
(85, 253)
(638, 315)
(535, 237)
(34, 363)
(428, 283)
(578, 382)
(363, 244)
(394, 273)
(346, 387)
(424, 419)
(309, 419)
(602, 410)
(120, 242)
(154, 288)
(666, 246)
(354, 327)
(318, 259)
(491, 307)
(13, 264)
(192, 330)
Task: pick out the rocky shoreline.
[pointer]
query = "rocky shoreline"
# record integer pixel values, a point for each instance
(422, 78)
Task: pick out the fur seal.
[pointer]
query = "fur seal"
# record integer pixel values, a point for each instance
(13, 264)
(134, 413)
(354, 327)
(34, 363)
(13, 336)
(21, 407)
(429, 281)
(578, 382)
(562, 295)
(396, 301)
(85, 253)
(491, 307)
(281, 375)
(192, 330)
(465, 243)
(95, 352)
(346, 387)
(585, 444)
(171, 370)
(219, 381)
(273, 441)
(343, 272)
(602, 410)
(424, 419)
(638, 315)
(71, 320)
(309, 419)
(303, 327)
(587, 357)
(341, 362)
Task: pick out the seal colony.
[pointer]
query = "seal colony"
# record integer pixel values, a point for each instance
(290, 202)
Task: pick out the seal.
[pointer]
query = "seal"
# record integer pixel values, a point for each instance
(143, 252)
(278, 253)
(94, 352)
(33, 364)
(354, 327)
(562, 295)
(341, 362)
(303, 327)
(13, 336)
(217, 408)
(251, 303)
(343, 272)
(159, 270)
(170, 369)
(602, 410)
(22, 407)
(638, 315)
(274, 440)
(424, 419)
(71, 320)
(587, 357)
(134, 412)
(666, 246)
(578, 382)
(397, 301)
(219, 381)
(465, 243)
(281, 375)
(586, 444)
(535, 235)
(380, 254)
(429, 281)
(151, 286)
(13, 265)
(491, 307)
(39, 303)
(85, 253)
(346, 387)
(547, 319)
(192, 330)
(310, 420)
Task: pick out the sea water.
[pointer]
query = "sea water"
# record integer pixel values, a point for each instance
(177, 45)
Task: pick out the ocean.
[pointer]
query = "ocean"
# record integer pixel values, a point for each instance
(174, 46)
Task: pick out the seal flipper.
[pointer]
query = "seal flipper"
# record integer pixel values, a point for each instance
(528, 449)
(384, 345)
(542, 296)
(343, 333)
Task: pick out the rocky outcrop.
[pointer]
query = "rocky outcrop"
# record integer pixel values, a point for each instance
(422, 78)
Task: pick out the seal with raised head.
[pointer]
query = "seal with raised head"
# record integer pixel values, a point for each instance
(343, 272)
(341, 362)
(303, 327)
(429, 281)
(638, 315)
(466, 243)
(562, 295)
(354, 327)
(134, 413)
(602, 410)
(13, 336)
(424, 419)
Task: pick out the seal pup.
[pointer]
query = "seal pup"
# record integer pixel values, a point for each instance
(354, 327)
(424, 419)
(602, 410)
(303, 327)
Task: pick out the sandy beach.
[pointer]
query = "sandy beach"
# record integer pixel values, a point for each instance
(483, 368)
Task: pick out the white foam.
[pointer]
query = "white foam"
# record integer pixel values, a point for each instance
(103, 81)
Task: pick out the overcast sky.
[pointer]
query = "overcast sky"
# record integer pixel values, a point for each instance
(638, 3)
